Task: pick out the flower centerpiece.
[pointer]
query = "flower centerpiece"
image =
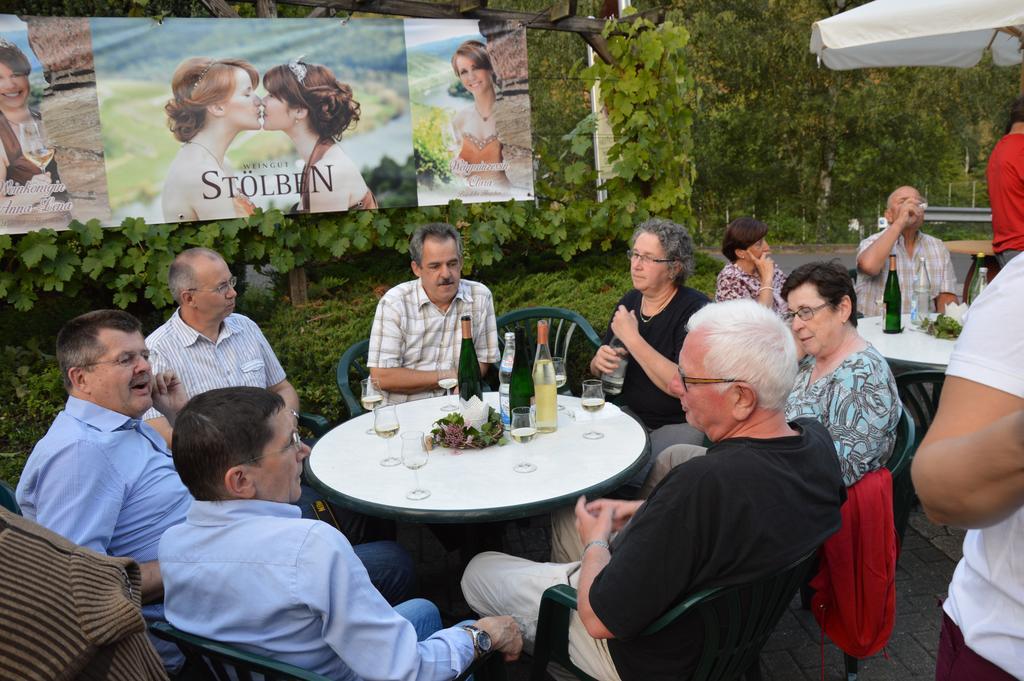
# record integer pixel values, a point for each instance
(452, 431)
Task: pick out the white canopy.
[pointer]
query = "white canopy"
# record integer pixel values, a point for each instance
(921, 33)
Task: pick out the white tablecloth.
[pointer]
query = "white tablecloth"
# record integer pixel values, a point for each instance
(913, 345)
(474, 484)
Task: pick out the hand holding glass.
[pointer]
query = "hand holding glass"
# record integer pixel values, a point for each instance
(414, 457)
(522, 430)
(592, 400)
(385, 424)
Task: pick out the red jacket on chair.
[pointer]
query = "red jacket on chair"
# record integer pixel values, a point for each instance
(855, 588)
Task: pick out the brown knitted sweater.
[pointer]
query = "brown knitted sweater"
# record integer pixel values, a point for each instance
(67, 612)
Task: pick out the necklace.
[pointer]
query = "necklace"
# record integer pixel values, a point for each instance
(643, 299)
(204, 148)
(481, 115)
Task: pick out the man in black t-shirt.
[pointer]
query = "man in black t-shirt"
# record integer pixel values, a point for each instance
(766, 493)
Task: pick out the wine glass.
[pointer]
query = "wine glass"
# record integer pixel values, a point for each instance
(560, 377)
(449, 139)
(523, 429)
(880, 302)
(371, 396)
(32, 138)
(592, 400)
(414, 457)
(446, 380)
(385, 424)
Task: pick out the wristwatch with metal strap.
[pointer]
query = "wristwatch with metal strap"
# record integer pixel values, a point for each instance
(481, 640)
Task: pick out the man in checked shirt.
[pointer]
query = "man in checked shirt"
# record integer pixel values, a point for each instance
(416, 336)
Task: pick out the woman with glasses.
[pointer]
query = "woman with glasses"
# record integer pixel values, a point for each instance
(650, 322)
(751, 273)
(843, 381)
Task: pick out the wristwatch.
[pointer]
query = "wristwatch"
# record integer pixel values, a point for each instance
(481, 640)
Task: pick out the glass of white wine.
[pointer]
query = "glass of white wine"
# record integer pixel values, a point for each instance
(522, 430)
(32, 138)
(447, 380)
(592, 401)
(880, 302)
(385, 424)
(414, 457)
(370, 397)
(560, 377)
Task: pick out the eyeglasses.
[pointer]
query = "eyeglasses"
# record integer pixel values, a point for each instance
(292, 446)
(645, 259)
(126, 360)
(804, 313)
(693, 380)
(220, 290)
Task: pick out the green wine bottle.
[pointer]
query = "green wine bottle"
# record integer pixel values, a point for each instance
(892, 299)
(520, 389)
(469, 367)
(978, 281)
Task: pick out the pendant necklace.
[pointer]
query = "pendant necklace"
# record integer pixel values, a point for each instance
(656, 312)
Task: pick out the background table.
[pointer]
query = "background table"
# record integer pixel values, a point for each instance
(910, 347)
(972, 248)
(477, 484)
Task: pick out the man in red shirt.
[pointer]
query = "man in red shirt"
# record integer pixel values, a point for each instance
(1006, 188)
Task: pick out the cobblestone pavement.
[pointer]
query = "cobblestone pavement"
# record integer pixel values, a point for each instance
(794, 652)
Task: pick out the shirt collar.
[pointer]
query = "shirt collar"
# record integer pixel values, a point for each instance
(94, 415)
(214, 513)
(187, 336)
(463, 293)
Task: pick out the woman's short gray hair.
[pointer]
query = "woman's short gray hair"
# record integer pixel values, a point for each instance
(674, 240)
(748, 342)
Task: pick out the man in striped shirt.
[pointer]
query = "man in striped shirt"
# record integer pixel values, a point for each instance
(416, 335)
(210, 346)
(206, 343)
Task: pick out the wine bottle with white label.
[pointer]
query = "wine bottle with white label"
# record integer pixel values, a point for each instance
(544, 385)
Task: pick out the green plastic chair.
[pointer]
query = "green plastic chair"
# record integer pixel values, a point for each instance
(8, 499)
(898, 464)
(315, 423)
(737, 622)
(563, 326)
(352, 362)
(209, 660)
(920, 392)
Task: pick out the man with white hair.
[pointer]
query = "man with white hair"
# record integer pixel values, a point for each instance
(903, 237)
(766, 493)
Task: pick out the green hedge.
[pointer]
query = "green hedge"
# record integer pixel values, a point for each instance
(309, 339)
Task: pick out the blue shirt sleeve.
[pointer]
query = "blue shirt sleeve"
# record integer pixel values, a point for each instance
(368, 635)
(76, 493)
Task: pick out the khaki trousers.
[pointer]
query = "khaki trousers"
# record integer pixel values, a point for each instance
(499, 584)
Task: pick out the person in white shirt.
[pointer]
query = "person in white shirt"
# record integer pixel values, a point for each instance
(969, 472)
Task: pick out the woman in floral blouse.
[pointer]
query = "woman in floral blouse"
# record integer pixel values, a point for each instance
(751, 273)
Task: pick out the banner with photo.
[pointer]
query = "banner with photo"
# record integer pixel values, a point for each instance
(205, 119)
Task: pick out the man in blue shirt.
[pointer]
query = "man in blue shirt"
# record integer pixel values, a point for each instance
(245, 569)
(100, 476)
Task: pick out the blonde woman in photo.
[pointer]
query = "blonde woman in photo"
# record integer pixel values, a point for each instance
(214, 100)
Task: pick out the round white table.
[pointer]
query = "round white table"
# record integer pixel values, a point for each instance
(913, 346)
(477, 484)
